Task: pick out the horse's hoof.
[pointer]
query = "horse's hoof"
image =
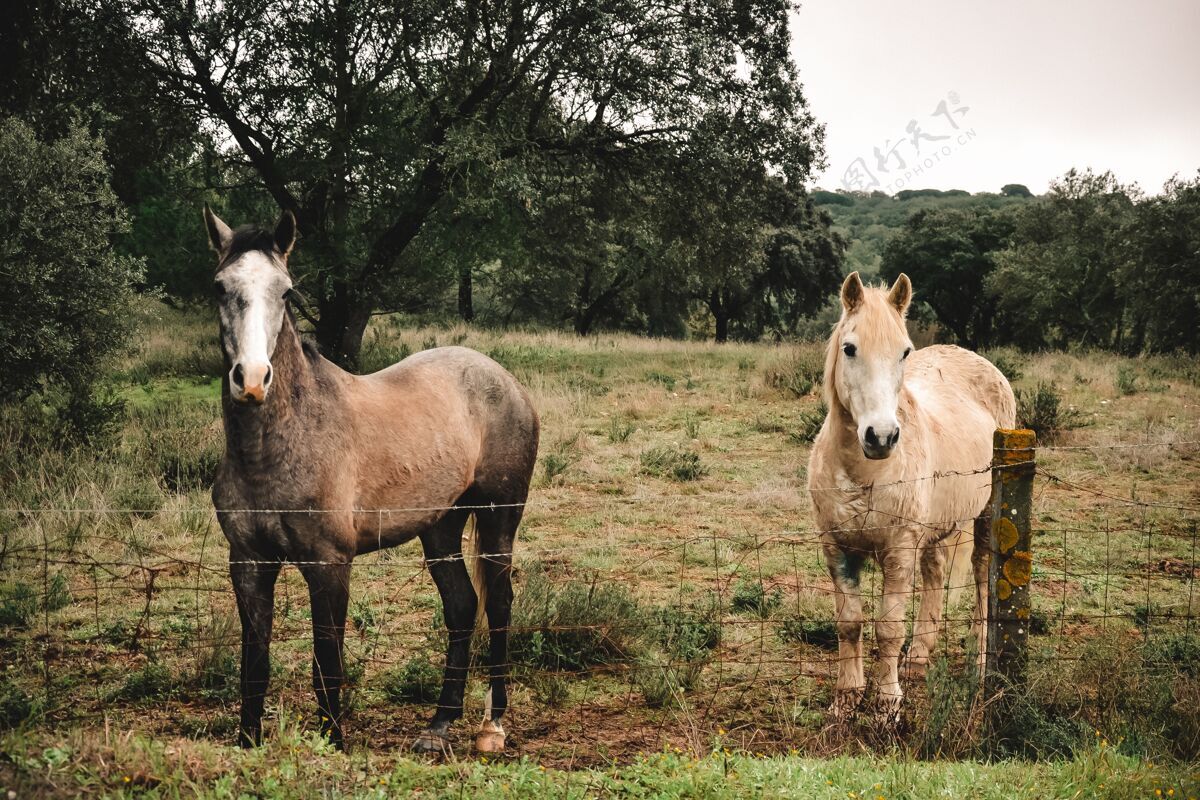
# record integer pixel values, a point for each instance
(887, 710)
(845, 703)
(490, 738)
(430, 743)
(914, 668)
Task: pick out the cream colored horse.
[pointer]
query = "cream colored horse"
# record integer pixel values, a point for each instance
(897, 471)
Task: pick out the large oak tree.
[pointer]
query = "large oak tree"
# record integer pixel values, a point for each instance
(371, 120)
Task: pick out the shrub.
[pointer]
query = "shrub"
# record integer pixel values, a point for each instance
(751, 597)
(620, 429)
(573, 625)
(668, 381)
(1041, 410)
(820, 633)
(1008, 364)
(418, 681)
(673, 463)
(154, 680)
(16, 706)
(182, 443)
(554, 465)
(67, 294)
(1126, 381)
(797, 374)
(216, 661)
(687, 635)
(18, 604)
(809, 424)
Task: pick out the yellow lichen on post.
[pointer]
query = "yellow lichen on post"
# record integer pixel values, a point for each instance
(1011, 568)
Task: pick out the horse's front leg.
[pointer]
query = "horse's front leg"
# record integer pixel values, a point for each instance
(929, 615)
(899, 564)
(844, 568)
(254, 586)
(329, 593)
(443, 552)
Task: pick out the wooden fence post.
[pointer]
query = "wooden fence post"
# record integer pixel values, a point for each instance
(1010, 570)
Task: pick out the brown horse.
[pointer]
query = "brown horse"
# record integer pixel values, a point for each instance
(321, 465)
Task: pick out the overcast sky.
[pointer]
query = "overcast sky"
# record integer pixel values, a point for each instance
(1040, 87)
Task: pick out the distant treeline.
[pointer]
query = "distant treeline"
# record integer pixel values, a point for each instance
(1092, 263)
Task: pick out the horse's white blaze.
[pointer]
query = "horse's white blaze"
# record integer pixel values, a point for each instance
(869, 384)
(253, 318)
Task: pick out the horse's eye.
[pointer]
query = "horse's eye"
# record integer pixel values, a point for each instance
(907, 350)
(219, 289)
(849, 350)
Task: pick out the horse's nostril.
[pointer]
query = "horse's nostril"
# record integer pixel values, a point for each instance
(239, 375)
(895, 436)
(267, 377)
(871, 438)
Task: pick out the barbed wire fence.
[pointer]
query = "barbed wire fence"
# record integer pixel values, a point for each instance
(717, 638)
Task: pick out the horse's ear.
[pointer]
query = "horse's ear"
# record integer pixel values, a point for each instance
(852, 292)
(219, 234)
(285, 233)
(900, 295)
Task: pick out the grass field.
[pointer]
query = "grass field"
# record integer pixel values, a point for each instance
(671, 601)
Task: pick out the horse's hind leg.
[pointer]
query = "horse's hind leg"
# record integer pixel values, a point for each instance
(443, 553)
(497, 531)
(929, 615)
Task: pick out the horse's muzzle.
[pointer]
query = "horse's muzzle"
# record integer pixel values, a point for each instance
(878, 445)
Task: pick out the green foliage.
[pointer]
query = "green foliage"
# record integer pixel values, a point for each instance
(809, 424)
(573, 624)
(1056, 283)
(673, 463)
(620, 429)
(946, 728)
(687, 635)
(751, 597)
(68, 293)
(795, 374)
(820, 633)
(1126, 380)
(523, 191)
(153, 680)
(16, 705)
(1041, 410)
(1007, 362)
(419, 681)
(18, 604)
(949, 254)
(1160, 277)
(58, 593)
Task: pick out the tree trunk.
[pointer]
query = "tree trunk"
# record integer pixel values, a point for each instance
(341, 327)
(720, 315)
(466, 305)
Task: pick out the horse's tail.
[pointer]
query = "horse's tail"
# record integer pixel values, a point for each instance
(962, 574)
(474, 556)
